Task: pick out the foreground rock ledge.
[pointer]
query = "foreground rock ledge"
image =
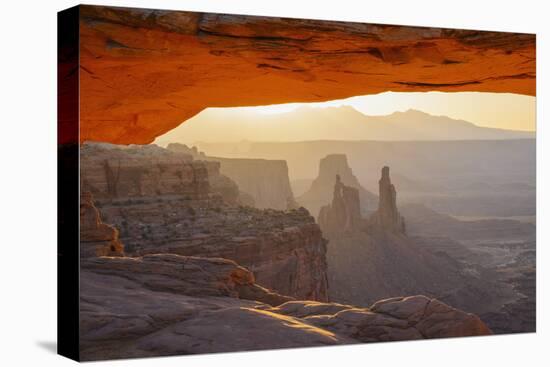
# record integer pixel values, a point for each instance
(143, 72)
(169, 304)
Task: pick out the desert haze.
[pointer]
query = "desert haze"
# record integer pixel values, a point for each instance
(220, 211)
(328, 123)
(432, 214)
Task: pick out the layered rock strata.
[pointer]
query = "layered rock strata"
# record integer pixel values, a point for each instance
(174, 208)
(266, 181)
(115, 172)
(190, 275)
(399, 318)
(285, 250)
(145, 71)
(169, 304)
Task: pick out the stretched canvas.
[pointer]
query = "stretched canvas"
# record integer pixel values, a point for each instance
(233, 183)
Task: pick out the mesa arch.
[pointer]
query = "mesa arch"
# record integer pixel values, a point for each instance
(143, 72)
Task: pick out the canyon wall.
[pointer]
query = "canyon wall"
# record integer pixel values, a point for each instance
(112, 172)
(117, 172)
(163, 202)
(265, 181)
(285, 250)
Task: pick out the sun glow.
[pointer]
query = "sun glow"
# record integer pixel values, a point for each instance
(497, 110)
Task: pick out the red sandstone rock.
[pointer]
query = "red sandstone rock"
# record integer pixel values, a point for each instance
(96, 237)
(114, 172)
(322, 190)
(188, 275)
(387, 217)
(344, 214)
(169, 208)
(143, 72)
(265, 181)
(400, 318)
(167, 304)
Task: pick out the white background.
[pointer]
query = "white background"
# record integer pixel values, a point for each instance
(28, 183)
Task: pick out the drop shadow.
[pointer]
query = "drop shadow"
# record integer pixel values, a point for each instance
(48, 345)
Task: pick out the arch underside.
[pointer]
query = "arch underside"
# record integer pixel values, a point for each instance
(144, 72)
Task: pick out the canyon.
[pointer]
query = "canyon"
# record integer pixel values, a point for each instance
(478, 178)
(364, 252)
(177, 259)
(184, 252)
(154, 200)
(172, 208)
(506, 248)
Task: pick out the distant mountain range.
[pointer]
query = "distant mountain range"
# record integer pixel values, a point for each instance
(330, 123)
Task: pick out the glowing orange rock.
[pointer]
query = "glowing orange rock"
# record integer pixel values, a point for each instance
(143, 72)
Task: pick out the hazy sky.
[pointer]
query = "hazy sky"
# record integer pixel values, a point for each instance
(498, 110)
(495, 110)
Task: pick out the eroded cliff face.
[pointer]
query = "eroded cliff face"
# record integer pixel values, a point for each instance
(115, 172)
(172, 208)
(322, 189)
(143, 72)
(285, 250)
(265, 181)
(120, 173)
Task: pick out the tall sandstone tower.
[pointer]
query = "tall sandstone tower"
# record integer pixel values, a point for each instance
(344, 214)
(387, 216)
